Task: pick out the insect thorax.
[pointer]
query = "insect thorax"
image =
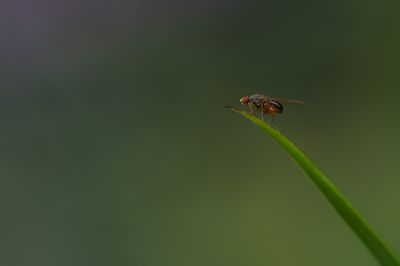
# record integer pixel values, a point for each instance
(256, 100)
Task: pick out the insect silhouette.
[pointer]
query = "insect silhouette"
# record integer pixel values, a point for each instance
(267, 105)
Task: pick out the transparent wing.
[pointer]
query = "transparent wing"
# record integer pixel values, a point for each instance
(280, 100)
(286, 101)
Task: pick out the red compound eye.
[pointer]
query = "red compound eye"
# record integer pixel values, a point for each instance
(244, 100)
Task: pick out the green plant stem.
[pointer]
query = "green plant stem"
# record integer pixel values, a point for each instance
(343, 207)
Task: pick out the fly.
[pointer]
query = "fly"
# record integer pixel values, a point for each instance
(267, 105)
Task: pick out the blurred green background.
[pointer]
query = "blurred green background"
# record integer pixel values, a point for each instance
(116, 148)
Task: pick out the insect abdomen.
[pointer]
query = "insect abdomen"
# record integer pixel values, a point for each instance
(277, 106)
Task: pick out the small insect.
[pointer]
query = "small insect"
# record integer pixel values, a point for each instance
(266, 105)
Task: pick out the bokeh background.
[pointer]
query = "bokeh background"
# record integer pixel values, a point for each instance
(116, 148)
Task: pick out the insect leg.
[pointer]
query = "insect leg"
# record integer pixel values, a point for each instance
(251, 110)
(273, 120)
(269, 122)
(261, 110)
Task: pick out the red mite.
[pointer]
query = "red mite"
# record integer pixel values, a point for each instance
(266, 105)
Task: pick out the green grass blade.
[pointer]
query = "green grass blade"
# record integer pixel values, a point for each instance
(343, 207)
